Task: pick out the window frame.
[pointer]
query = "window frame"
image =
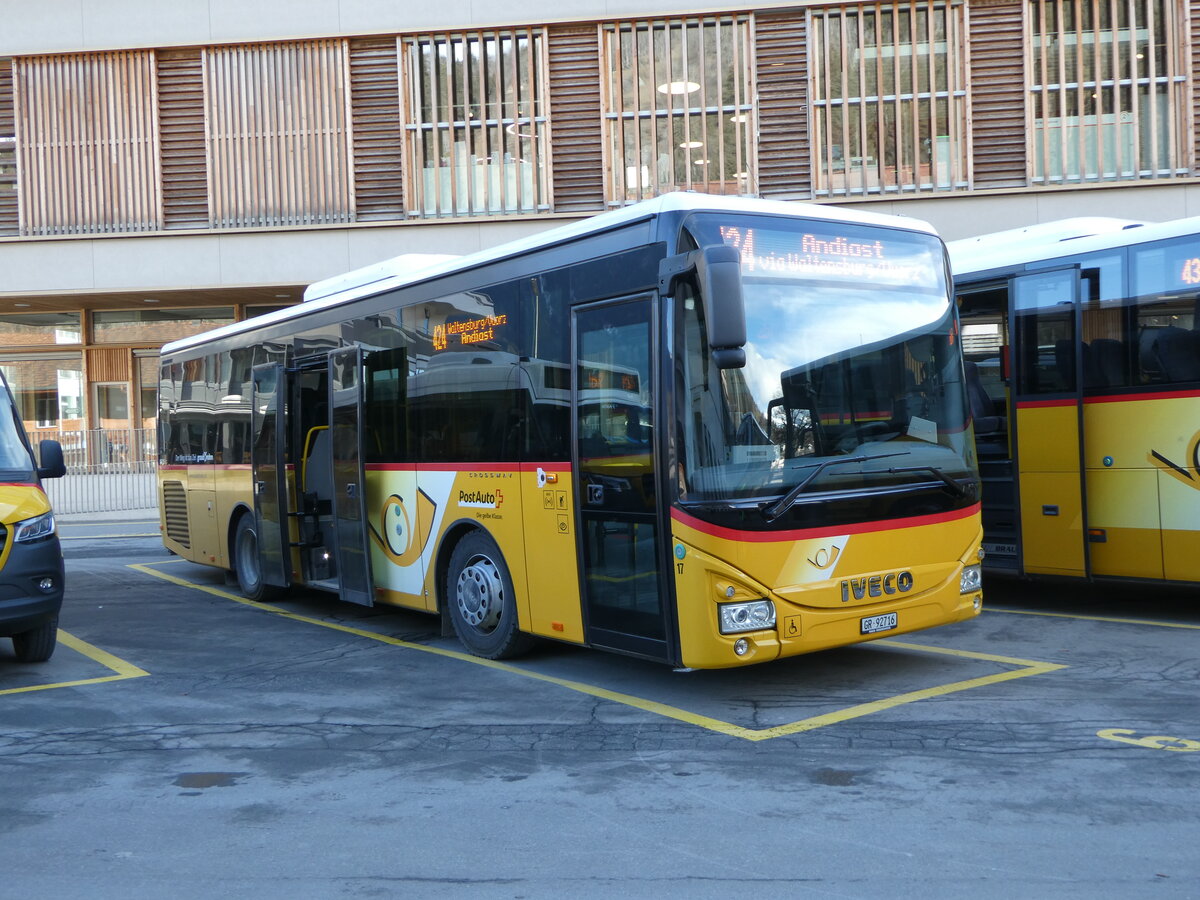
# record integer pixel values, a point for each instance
(618, 116)
(909, 110)
(423, 92)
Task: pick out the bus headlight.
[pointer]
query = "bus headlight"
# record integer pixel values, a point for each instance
(753, 616)
(34, 529)
(971, 580)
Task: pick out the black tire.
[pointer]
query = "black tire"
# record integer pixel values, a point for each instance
(246, 561)
(37, 644)
(481, 600)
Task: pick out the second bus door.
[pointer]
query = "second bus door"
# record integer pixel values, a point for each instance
(1049, 422)
(624, 606)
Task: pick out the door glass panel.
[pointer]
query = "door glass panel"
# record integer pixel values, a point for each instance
(270, 487)
(354, 562)
(1045, 314)
(614, 429)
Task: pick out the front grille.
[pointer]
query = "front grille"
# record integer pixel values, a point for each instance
(174, 504)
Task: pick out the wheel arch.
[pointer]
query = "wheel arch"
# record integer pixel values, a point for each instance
(451, 538)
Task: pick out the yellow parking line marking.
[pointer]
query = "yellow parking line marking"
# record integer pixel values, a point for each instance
(1024, 669)
(115, 664)
(1150, 742)
(1117, 620)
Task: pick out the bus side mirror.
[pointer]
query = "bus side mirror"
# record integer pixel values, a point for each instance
(718, 271)
(51, 455)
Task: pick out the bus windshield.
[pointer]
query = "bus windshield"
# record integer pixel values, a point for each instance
(852, 386)
(15, 461)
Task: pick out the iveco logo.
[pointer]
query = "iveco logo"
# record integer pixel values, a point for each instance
(877, 585)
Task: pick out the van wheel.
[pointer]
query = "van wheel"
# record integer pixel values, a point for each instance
(37, 644)
(483, 604)
(246, 562)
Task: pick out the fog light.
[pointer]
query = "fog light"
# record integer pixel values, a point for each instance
(46, 584)
(971, 579)
(753, 616)
(741, 646)
(978, 603)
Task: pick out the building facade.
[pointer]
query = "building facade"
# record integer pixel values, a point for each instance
(166, 168)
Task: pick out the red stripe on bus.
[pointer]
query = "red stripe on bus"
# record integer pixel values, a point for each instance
(1163, 395)
(469, 467)
(760, 537)
(1040, 404)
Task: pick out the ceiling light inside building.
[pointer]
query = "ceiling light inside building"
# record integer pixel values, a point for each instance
(691, 145)
(678, 87)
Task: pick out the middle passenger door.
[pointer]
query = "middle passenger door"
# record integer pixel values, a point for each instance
(1049, 422)
(348, 478)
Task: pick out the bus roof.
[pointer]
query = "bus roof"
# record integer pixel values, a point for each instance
(1054, 240)
(409, 269)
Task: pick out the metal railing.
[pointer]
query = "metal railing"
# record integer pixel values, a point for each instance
(108, 469)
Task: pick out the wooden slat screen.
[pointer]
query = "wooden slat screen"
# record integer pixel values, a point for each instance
(889, 97)
(181, 123)
(475, 115)
(678, 104)
(1194, 23)
(997, 95)
(88, 155)
(108, 364)
(578, 142)
(8, 151)
(378, 136)
(278, 134)
(784, 156)
(1108, 82)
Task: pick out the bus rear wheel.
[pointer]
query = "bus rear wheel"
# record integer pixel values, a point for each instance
(246, 562)
(482, 601)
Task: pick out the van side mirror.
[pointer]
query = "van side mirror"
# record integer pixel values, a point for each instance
(53, 465)
(718, 271)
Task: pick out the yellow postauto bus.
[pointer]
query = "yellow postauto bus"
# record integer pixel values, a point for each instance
(701, 430)
(31, 562)
(1083, 344)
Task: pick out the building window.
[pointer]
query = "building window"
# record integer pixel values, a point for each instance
(277, 134)
(39, 329)
(157, 326)
(889, 104)
(1107, 91)
(48, 390)
(678, 107)
(476, 123)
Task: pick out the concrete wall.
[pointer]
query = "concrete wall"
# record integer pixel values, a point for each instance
(973, 214)
(239, 259)
(47, 26)
(63, 266)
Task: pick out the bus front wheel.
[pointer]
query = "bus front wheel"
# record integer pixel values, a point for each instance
(37, 644)
(246, 561)
(482, 601)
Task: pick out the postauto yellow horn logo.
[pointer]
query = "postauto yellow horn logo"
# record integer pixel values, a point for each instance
(1189, 472)
(400, 538)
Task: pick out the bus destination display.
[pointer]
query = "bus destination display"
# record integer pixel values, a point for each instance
(859, 255)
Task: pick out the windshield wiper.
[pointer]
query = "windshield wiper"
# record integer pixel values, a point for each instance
(955, 486)
(780, 506)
